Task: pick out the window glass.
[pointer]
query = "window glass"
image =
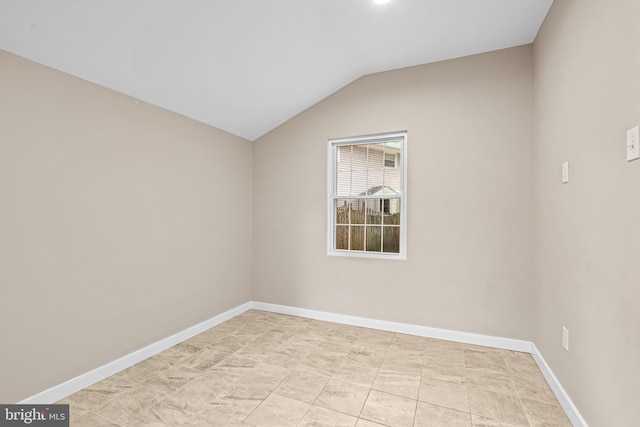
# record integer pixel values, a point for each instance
(367, 196)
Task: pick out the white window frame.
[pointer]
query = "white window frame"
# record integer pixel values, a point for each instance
(332, 159)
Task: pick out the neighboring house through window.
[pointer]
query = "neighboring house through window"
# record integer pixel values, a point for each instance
(390, 160)
(367, 196)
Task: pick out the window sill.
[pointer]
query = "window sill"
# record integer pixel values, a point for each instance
(370, 255)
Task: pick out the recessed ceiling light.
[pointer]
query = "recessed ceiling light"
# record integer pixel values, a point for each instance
(381, 1)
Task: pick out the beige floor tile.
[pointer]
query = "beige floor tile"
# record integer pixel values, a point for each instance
(237, 392)
(102, 391)
(376, 335)
(142, 371)
(230, 344)
(235, 364)
(170, 411)
(141, 421)
(347, 333)
(409, 363)
(475, 359)
(302, 339)
(317, 416)
(366, 423)
(129, 404)
(227, 374)
(278, 411)
(512, 412)
(205, 387)
(530, 375)
(534, 388)
(428, 415)
(309, 335)
(342, 397)
(479, 421)
(75, 410)
(228, 327)
(320, 364)
(445, 356)
(227, 410)
(395, 352)
(442, 351)
(484, 403)
(178, 353)
(542, 414)
(367, 355)
(521, 363)
(444, 344)
(257, 351)
(334, 347)
(205, 359)
(265, 376)
(205, 339)
(356, 373)
(272, 338)
(398, 383)
(389, 410)
(497, 381)
(192, 396)
(505, 408)
(444, 371)
(93, 420)
(237, 361)
(227, 402)
(287, 357)
(301, 386)
(250, 331)
(169, 380)
(408, 342)
(444, 393)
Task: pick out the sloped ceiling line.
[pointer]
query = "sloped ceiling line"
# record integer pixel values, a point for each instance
(246, 66)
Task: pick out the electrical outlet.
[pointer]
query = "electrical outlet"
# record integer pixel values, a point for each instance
(633, 144)
(565, 172)
(565, 338)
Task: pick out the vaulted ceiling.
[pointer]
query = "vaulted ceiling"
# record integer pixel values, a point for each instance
(246, 66)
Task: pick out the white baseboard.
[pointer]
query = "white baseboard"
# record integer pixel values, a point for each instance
(80, 382)
(443, 334)
(564, 399)
(403, 328)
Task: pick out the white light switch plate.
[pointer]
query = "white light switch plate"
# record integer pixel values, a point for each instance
(633, 145)
(565, 172)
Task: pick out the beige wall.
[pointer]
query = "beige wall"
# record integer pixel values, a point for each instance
(469, 124)
(120, 224)
(587, 94)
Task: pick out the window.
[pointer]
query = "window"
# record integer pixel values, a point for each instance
(367, 196)
(389, 160)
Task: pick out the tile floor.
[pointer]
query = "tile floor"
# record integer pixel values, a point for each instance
(265, 369)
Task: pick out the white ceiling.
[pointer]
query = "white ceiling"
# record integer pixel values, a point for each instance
(246, 66)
